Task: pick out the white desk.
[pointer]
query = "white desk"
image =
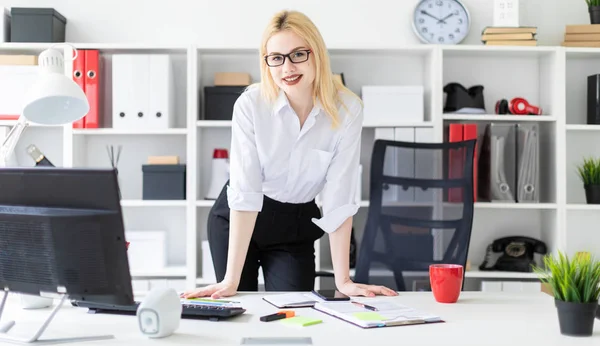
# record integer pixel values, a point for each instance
(477, 319)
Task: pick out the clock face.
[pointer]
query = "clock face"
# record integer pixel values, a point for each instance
(441, 21)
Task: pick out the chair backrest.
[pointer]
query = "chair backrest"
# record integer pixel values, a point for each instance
(420, 207)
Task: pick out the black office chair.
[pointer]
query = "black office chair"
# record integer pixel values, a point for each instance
(420, 208)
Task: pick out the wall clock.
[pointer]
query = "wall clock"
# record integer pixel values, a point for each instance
(441, 21)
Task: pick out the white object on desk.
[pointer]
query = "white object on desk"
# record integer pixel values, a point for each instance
(159, 314)
(29, 301)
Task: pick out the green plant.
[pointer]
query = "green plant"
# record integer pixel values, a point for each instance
(589, 170)
(592, 2)
(572, 280)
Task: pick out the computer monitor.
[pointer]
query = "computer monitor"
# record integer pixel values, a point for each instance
(62, 231)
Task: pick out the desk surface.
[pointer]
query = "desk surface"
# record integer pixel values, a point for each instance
(477, 319)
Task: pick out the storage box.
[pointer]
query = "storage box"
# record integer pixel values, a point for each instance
(232, 79)
(219, 101)
(147, 250)
(164, 182)
(392, 105)
(15, 83)
(29, 24)
(143, 92)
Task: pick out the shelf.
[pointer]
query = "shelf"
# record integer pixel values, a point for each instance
(479, 51)
(205, 203)
(518, 206)
(169, 272)
(152, 203)
(472, 274)
(476, 274)
(497, 117)
(583, 207)
(213, 123)
(383, 124)
(110, 131)
(227, 123)
(581, 127)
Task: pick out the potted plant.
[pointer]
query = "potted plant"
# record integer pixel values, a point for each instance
(589, 172)
(575, 285)
(594, 9)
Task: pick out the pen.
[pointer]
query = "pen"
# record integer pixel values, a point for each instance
(277, 316)
(368, 307)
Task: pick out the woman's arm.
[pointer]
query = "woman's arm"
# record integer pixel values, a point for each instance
(241, 226)
(339, 242)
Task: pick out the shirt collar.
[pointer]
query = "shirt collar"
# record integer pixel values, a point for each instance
(282, 102)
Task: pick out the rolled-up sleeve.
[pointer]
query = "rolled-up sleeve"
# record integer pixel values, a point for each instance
(339, 193)
(244, 191)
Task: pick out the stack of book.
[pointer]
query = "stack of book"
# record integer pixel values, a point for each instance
(584, 35)
(509, 36)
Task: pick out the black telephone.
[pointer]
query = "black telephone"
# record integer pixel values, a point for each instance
(517, 254)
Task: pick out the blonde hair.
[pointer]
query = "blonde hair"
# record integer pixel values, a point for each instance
(326, 88)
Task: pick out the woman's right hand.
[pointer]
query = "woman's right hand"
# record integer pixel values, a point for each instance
(215, 291)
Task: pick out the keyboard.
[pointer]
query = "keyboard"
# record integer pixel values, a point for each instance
(190, 311)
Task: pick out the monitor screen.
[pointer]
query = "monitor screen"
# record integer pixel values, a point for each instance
(62, 231)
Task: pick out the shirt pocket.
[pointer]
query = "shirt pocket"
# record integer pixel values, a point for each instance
(318, 163)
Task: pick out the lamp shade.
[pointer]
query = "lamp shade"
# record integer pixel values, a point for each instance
(54, 99)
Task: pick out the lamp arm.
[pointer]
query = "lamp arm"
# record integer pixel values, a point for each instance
(11, 140)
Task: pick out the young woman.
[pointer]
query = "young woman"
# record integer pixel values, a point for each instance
(294, 135)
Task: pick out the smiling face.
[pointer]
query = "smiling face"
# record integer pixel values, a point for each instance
(292, 78)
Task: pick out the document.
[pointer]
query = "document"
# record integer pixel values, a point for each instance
(291, 300)
(386, 313)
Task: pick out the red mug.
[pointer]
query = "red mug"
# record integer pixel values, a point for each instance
(446, 282)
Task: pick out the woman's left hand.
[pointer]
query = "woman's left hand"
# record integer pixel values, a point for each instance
(351, 288)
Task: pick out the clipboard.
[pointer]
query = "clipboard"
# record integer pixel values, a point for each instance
(388, 314)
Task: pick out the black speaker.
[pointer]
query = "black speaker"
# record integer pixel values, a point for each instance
(593, 99)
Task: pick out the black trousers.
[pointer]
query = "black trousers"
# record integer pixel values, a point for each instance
(282, 244)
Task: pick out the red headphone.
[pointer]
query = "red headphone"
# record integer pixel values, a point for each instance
(518, 106)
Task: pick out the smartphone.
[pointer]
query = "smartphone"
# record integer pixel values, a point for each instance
(331, 295)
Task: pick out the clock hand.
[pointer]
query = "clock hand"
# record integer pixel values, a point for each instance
(443, 20)
(427, 14)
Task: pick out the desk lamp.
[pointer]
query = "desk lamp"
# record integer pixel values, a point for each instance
(54, 99)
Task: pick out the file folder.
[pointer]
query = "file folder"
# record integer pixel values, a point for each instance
(528, 163)
(498, 164)
(92, 86)
(143, 91)
(79, 78)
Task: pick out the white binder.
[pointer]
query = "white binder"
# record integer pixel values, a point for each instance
(143, 91)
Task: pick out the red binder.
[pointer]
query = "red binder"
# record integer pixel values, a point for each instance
(92, 87)
(455, 161)
(78, 77)
(470, 132)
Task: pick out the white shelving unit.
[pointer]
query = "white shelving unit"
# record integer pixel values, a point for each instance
(551, 77)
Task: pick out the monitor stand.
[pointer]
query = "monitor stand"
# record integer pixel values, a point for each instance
(35, 339)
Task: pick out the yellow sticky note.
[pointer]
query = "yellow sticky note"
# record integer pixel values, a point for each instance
(301, 321)
(369, 316)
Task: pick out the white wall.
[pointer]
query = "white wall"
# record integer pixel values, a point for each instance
(239, 23)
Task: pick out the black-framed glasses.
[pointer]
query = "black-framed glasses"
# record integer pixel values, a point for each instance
(296, 57)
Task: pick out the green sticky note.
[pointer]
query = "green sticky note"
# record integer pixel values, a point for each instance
(301, 321)
(369, 316)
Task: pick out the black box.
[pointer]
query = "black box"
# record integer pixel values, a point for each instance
(219, 101)
(593, 99)
(164, 182)
(29, 24)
